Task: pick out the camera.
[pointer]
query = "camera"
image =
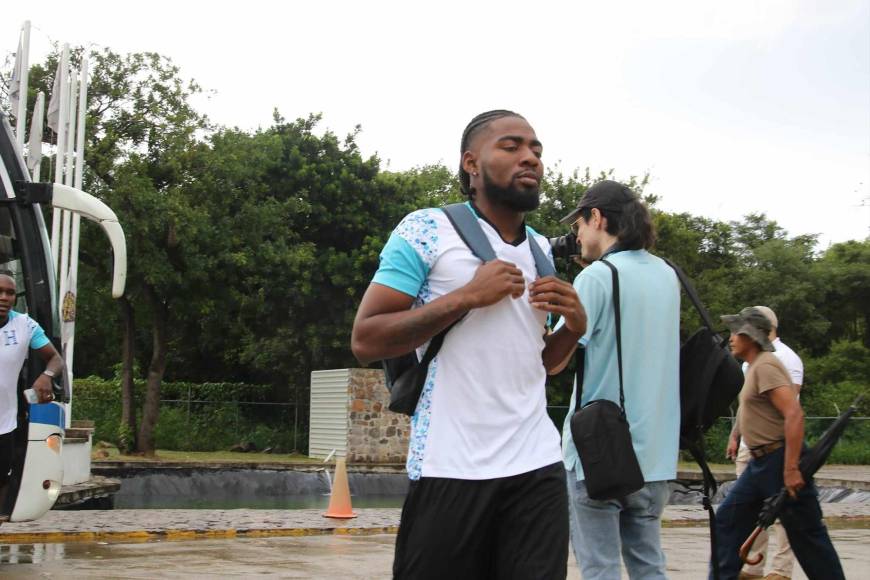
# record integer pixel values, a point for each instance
(565, 247)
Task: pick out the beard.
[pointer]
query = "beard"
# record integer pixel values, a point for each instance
(512, 197)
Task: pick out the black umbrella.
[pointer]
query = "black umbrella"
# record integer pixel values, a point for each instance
(809, 464)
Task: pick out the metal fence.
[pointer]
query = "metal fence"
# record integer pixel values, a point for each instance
(853, 448)
(559, 412)
(209, 425)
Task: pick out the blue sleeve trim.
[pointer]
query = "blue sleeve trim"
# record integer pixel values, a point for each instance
(38, 339)
(37, 336)
(401, 268)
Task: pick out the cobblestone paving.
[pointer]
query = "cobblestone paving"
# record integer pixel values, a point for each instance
(108, 524)
(188, 524)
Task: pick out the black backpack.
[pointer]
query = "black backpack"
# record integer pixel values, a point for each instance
(405, 375)
(710, 380)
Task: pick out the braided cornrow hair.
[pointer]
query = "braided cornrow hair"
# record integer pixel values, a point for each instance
(476, 124)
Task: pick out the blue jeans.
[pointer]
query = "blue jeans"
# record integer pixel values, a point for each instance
(801, 518)
(600, 530)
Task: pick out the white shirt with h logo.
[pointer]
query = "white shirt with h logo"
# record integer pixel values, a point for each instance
(17, 336)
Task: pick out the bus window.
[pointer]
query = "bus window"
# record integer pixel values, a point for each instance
(10, 260)
(10, 257)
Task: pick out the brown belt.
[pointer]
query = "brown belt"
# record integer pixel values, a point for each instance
(762, 450)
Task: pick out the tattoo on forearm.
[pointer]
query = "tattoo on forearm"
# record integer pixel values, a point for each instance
(404, 331)
(416, 329)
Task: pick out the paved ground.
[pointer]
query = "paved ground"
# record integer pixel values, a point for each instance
(119, 525)
(346, 557)
(190, 524)
(303, 544)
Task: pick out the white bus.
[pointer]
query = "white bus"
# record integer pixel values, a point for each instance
(37, 472)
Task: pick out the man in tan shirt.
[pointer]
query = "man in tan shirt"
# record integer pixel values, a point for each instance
(771, 422)
(782, 561)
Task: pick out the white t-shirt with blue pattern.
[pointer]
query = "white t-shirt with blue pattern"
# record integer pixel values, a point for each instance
(482, 414)
(17, 336)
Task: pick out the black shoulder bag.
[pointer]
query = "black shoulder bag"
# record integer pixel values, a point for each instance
(601, 433)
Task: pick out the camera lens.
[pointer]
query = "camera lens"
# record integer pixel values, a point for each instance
(565, 247)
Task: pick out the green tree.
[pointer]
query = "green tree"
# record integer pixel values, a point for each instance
(846, 269)
(320, 213)
(778, 271)
(141, 138)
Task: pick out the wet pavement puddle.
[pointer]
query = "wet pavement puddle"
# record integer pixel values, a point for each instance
(347, 557)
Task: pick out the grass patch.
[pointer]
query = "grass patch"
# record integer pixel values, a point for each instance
(691, 465)
(205, 457)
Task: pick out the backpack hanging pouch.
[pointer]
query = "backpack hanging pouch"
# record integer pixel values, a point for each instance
(405, 376)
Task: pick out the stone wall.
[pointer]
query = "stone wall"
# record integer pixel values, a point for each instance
(375, 434)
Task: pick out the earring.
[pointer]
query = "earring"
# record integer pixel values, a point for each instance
(474, 173)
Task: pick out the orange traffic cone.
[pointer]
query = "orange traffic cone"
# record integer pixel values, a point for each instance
(339, 501)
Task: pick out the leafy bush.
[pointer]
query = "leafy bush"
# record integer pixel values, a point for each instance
(853, 448)
(835, 380)
(716, 440)
(218, 416)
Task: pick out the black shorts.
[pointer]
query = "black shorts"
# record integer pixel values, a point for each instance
(7, 454)
(511, 527)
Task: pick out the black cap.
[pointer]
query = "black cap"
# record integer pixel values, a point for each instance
(606, 195)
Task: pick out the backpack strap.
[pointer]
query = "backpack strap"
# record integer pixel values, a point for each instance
(579, 372)
(693, 295)
(544, 266)
(696, 448)
(465, 223)
(710, 488)
(618, 323)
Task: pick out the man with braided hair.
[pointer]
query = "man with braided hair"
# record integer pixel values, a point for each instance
(487, 497)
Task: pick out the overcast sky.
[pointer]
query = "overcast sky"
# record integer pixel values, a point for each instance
(737, 107)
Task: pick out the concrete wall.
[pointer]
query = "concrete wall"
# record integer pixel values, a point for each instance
(375, 434)
(327, 423)
(349, 414)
